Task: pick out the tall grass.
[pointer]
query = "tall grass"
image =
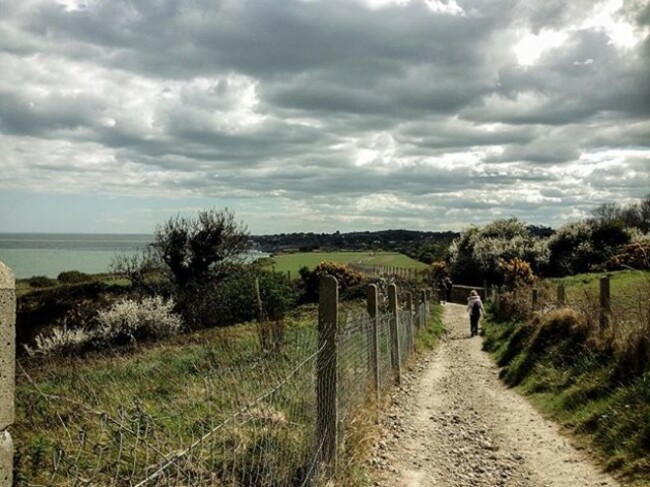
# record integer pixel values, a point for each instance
(208, 408)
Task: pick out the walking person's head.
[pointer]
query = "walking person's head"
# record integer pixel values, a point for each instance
(473, 294)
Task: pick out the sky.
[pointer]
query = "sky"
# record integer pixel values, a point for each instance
(308, 115)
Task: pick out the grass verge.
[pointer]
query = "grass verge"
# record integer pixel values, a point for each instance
(580, 385)
(363, 429)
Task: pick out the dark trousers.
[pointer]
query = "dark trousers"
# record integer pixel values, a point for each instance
(473, 324)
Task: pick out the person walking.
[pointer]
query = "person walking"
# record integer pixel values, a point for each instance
(449, 286)
(442, 291)
(475, 310)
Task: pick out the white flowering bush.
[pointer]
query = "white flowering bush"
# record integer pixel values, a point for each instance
(126, 321)
(60, 340)
(476, 254)
(130, 320)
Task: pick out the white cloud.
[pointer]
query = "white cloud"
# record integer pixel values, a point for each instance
(530, 47)
(373, 113)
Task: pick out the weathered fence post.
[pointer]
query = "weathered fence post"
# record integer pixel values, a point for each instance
(423, 321)
(561, 295)
(605, 303)
(535, 299)
(326, 370)
(409, 314)
(373, 311)
(486, 289)
(7, 371)
(394, 335)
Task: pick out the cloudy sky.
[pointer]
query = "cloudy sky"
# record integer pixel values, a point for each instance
(320, 115)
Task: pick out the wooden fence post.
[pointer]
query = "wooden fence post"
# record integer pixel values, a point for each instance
(394, 335)
(561, 295)
(7, 371)
(326, 370)
(425, 309)
(409, 314)
(605, 303)
(373, 311)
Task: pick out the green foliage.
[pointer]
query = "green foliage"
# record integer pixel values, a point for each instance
(233, 299)
(197, 251)
(42, 281)
(348, 279)
(73, 277)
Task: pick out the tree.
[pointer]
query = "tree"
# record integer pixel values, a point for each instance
(196, 251)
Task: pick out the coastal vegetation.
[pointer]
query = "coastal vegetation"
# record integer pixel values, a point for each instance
(168, 312)
(593, 380)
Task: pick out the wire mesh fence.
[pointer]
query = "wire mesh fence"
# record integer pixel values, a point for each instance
(220, 412)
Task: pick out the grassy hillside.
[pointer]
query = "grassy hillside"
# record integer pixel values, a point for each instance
(595, 382)
(119, 416)
(209, 402)
(294, 261)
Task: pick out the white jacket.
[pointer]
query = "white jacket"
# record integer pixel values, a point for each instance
(470, 303)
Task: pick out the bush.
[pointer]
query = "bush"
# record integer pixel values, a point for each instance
(129, 321)
(41, 281)
(634, 255)
(348, 279)
(233, 299)
(516, 272)
(73, 277)
(62, 340)
(475, 255)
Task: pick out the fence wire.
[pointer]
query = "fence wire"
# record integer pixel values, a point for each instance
(219, 413)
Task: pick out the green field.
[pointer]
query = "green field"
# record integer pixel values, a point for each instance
(627, 289)
(293, 262)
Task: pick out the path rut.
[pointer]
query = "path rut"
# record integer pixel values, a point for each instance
(455, 424)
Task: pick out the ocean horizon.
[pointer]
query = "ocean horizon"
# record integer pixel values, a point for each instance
(49, 254)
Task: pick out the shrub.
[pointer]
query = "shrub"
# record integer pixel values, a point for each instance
(128, 321)
(516, 272)
(61, 340)
(348, 279)
(474, 256)
(124, 322)
(41, 281)
(233, 299)
(635, 255)
(73, 277)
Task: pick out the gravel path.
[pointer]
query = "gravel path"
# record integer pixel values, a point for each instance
(453, 423)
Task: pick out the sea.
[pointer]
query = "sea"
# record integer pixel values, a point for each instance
(49, 254)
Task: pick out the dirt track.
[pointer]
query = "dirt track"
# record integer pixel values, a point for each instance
(455, 424)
